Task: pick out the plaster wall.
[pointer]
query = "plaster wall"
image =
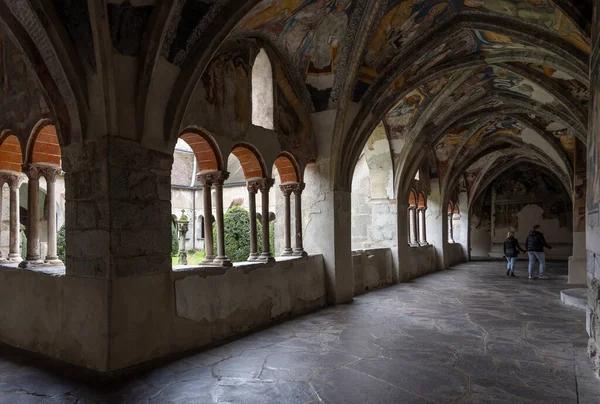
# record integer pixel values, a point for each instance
(455, 254)
(420, 261)
(372, 269)
(156, 315)
(63, 317)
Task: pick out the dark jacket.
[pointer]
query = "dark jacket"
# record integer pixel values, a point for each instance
(512, 247)
(536, 242)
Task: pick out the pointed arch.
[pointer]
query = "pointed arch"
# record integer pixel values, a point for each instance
(263, 99)
(43, 145)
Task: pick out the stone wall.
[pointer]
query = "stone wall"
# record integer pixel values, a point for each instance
(455, 254)
(420, 261)
(160, 314)
(372, 269)
(63, 317)
(593, 201)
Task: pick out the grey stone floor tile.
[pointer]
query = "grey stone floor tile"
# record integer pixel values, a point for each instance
(466, 335)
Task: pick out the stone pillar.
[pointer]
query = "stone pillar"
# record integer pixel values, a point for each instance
(299, 248)
(252, 190)
(578, 261)
(287, 190)
(14, 247)
(450, 228)
(209, 250)
(264, 186)
(33, 219)
(50, 174)
(422, 226)
(221, 259)
(412, 212)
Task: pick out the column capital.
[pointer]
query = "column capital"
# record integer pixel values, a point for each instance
(265, 184)
(213, 178)
(253, 186)
(33, 172)
(12, 178)
(287, 189)
(412, 207)
(422, 208)
(50, 173)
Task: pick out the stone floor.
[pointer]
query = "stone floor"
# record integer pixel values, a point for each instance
(466, 335)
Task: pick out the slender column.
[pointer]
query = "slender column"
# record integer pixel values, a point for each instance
(50, 174)
(2, 182)
(287, 190)
(33, 220)
(299, 248)
(209, 253)
(412, 211)
(14, 253)
(265, 186)
(422, 226)
(252, 190)
(450, 229)
(221, 258)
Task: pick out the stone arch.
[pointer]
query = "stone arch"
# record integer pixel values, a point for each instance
(262, 91)
(413, 200)
(422, 201)
(43, 145)
(205, 148)
(287, 167)
(11, 153)
(252, 163)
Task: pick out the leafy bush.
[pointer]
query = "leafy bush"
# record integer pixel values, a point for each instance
(61, 244)
(237, 234)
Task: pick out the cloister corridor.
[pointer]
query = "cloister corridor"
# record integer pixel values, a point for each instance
(465, 335)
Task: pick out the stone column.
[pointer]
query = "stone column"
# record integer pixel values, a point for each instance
(2, 182)
(50, 174)
(33, 218)
(450, 228)
(265, 185)
(287, 190)
(422, 226)
(14, 247)
(299, 248)
(414, 226)
(209, 250)
(252, 191)
(221, 259)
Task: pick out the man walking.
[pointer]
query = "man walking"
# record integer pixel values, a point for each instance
(534, 245)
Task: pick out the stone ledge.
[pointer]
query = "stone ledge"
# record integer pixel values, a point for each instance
(41, 269)
(576, 297)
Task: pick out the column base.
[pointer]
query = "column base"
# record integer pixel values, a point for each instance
(265, 258)
(207, 260)
(30, 263)
(253, 257)
(14, 258)
(53, 261)
(299, 253)
(222, 262)
(287, 252)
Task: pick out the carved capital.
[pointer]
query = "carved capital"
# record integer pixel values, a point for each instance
(213, 178)
(33, 172)
(265, 184)
(298, 187)
(50, 173)
(253, 186)
(12, 178)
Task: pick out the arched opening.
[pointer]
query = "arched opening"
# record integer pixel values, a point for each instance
(450, 222)
(11, 229)
(413, 222)
(262, 91)
(43, 196)
(196, 154)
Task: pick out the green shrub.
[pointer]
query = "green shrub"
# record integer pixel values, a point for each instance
(272, 236)
(61, 244)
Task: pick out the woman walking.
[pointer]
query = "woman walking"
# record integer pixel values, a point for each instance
(511, 252)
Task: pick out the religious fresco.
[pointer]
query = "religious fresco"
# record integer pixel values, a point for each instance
(311, 31)
(541, 12)
(21, 99)
(559, 131)
(578, 90)
(526, 185)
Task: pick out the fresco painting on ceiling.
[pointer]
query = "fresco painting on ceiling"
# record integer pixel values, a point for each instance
(399, 119)
(227, 87)
(312, 32)
(578, 91)
(542, 12)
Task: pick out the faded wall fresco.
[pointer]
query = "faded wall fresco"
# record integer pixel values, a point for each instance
(21, 101)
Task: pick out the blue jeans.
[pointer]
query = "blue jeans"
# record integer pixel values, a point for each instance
(541, 257)
(511, 264)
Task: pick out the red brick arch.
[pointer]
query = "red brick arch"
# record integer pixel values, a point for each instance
(43, 146)
(422, 200)
(11, 154)
(251, 161)
(206, 150)
(412, 198)
(287, 168)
